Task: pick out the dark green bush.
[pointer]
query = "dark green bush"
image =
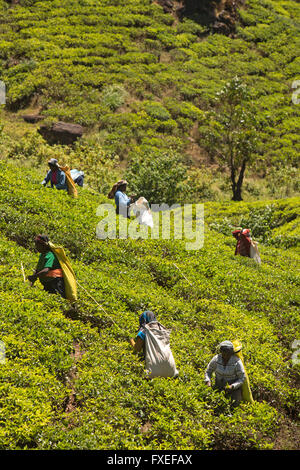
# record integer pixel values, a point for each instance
(158, 176)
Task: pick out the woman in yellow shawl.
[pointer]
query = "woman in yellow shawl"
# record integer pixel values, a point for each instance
(230, 372)
(60, 177)
(48, 269)
(54, 270)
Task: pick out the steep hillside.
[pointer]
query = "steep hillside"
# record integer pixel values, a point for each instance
(71, 381)
(140, 77)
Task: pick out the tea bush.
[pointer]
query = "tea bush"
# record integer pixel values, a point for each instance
(97, 63)
(272, 222)
(158, 176)
(204, 296)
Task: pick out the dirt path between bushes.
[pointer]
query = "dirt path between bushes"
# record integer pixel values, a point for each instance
(71, 377)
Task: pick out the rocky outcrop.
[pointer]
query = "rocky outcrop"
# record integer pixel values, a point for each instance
(226, 16)
(61, 132)
(219, 15)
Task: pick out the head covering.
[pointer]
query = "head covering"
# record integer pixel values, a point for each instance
(226, 346)
(146, 317)
(53, 162)
(236, 233)
(246, 232)
(43, 239)
(115, 188)
(241, 231)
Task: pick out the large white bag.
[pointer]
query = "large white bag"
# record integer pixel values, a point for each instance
(142, 212)
(254, 253)
(158, 355)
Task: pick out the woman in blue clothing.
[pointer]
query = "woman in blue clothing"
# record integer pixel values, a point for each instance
(139, 342)
(118, 192)
(55, 176)
(153, 339)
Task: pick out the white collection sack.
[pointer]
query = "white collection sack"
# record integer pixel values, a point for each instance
(142, 212)
(254, 253)
(158, 355)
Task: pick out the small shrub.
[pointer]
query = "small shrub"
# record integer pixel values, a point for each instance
(113, 96)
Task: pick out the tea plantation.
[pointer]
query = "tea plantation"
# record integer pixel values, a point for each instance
(140, 79)
(71, 381)
(144, 83)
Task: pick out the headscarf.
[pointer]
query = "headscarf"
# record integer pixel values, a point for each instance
(241, 231)
(53, 162)
(43, 239)
(115, 187)
(226, 346)
(146, 317)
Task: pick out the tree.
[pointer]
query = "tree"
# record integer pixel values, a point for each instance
(158, 176)
(231, 133)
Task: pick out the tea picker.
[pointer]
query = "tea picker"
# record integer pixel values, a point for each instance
(230, 373)
(245, 246)
(118, 193)
(61, 177)
(154, 339)
(54, 270)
